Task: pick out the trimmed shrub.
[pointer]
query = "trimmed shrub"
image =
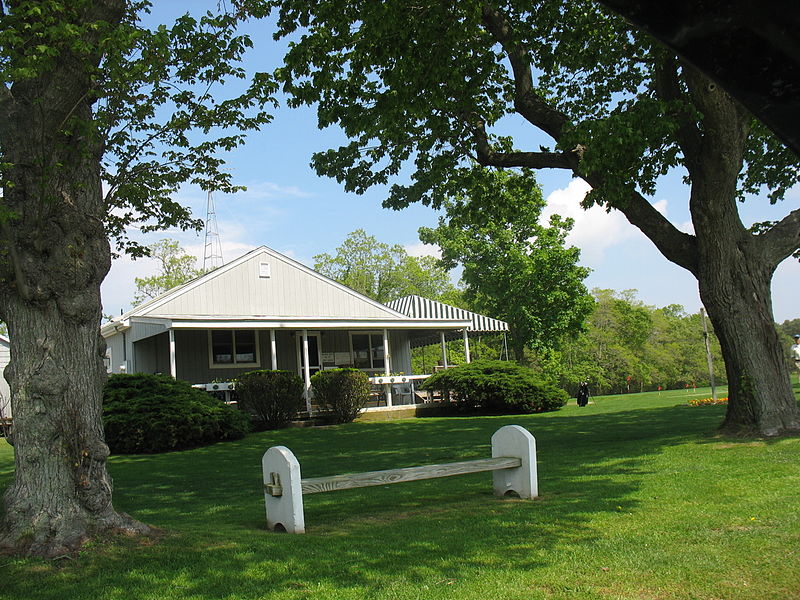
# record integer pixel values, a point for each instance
(497, 387)
(156, 413)
(274, 397)
(342, 393)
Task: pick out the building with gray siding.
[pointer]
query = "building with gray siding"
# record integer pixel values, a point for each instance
(267, 311)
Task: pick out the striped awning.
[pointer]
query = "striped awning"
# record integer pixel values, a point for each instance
(417, 307)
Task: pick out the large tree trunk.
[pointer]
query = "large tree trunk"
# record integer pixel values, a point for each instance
(61, 494)
(54, 255)
(734, 271)
(760, 399)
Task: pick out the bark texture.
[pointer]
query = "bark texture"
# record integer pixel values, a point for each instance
(55, 255)
(735, 268)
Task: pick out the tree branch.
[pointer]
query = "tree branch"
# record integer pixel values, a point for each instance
(535, 109)
(782, 239)
(676, 246)
(487, 157)
(667, 86)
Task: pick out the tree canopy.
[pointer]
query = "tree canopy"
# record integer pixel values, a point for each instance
(384, 272)
(514, 268)
(626, 338)
(175, 268)
(433, 86)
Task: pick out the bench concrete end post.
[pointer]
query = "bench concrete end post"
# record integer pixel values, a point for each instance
(283, 493)
(515, 441)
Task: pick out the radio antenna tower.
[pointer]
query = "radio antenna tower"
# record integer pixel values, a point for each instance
(212, 258)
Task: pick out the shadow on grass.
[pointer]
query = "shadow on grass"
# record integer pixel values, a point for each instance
(211, 501)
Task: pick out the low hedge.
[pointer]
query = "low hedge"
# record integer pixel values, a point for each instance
(156, 413)
(497, 387)
(341, 393)
(273, 397)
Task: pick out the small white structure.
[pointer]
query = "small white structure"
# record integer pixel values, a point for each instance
(5, 393)
(513, 464)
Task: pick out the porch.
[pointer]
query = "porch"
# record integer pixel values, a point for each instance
(212, 357)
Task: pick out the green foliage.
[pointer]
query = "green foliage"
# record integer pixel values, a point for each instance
(485, 347)
(514, 268)
(155, 413)
(383, 272)
(789, 328)
(274, 397)
(342, 393)
(421, 82)
(626, 338)
(159, 101)
(175, 268)
(497, 387)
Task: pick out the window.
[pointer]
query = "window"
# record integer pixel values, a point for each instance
(367, 350)
(234, 348)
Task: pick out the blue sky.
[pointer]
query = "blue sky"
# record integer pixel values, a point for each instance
(289, 208)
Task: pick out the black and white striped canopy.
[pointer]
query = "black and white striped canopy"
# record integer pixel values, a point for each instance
(417, 307)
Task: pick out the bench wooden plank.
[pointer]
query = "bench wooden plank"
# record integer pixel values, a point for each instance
(333, 483)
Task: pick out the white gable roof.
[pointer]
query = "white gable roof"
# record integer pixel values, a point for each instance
(282, 288)
(264, 285)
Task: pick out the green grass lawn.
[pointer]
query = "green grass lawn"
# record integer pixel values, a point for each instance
(640, 499)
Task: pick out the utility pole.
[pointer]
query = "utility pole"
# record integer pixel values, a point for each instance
(708, 354)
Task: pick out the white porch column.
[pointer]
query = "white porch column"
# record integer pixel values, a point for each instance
(273, 348)
(306, 372)
(387, 366)
(444, 349)
(173, 368)
(466, 346)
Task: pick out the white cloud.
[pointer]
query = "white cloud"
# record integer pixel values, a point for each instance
(420, 249)
(784, 290)
(595, 229)
(260, 190)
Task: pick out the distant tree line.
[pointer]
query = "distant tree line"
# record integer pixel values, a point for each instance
(628, 346)
(622, 345)
(622, 338)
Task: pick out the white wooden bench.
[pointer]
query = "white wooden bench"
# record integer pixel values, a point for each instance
(513, 466)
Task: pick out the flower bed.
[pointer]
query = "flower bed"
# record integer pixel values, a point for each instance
(706, 401)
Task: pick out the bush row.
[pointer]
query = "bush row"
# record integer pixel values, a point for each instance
(155, 413)
(496, 387)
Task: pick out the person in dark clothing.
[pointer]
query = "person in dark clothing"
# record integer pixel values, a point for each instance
(583, 393)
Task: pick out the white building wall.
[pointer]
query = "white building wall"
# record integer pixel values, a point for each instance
(288, 291)
(115, 353)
